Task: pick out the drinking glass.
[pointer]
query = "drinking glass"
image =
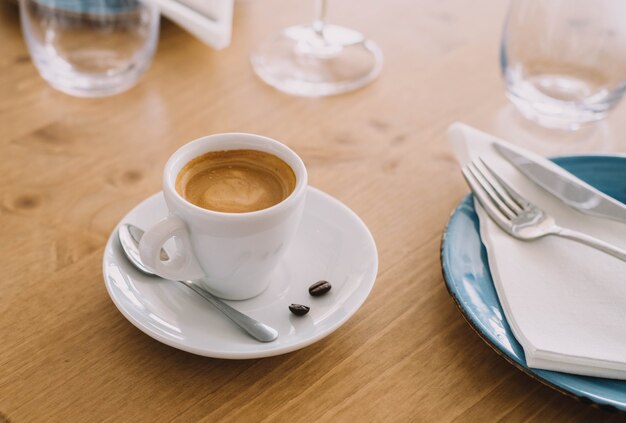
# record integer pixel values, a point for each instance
(90, 48)
(317, 59)
(564, 61)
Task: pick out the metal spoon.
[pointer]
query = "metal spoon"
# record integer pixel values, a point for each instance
(130, 235)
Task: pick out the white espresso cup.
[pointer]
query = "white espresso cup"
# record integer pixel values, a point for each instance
(230, 254)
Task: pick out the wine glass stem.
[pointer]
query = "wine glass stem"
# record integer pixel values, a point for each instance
(319, 22)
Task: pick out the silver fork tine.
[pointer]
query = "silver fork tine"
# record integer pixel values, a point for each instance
(532, 222)
(484, 200)
(493, 196)
(521, 201)
(498, 185)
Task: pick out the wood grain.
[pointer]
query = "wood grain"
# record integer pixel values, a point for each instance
(71, 168)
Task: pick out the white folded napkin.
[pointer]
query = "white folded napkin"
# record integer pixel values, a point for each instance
(565, 302)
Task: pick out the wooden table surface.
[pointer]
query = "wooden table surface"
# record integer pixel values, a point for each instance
(71, 168)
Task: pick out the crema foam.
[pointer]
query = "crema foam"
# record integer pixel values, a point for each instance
(236, 181)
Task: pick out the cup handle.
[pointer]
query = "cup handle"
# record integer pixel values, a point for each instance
(182, 264)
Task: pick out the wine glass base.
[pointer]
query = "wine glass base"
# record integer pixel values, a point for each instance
(303, 62)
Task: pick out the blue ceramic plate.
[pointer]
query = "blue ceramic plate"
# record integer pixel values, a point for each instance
(466, 272)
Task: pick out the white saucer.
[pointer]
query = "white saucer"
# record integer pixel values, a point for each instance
(332, 244)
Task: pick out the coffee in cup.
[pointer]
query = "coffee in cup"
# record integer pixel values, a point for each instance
(236, 181)
(234, 204)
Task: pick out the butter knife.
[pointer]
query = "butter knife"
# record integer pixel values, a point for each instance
(565, 186)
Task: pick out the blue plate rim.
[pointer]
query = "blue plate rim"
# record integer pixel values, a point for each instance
(532, 373)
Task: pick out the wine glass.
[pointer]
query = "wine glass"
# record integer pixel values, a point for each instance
(317, 59)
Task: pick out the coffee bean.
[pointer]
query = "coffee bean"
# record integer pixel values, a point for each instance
(299, 309)
(319, 288)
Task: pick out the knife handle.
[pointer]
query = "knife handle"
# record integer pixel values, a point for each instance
(592, 242)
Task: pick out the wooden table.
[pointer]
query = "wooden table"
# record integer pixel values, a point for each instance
(71, 168)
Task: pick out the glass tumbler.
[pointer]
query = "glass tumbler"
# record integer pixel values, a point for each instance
(564, 61)
(90, 48)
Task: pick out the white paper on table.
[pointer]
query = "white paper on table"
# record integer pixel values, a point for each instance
(565, 302)
(210, 21)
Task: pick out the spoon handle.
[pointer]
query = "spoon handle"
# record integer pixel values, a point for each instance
(255, 328)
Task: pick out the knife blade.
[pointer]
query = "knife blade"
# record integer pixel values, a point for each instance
(566, 187)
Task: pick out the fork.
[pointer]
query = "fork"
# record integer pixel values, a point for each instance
(519, 217)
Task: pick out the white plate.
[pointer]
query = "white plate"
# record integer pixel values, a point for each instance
(332, 244)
